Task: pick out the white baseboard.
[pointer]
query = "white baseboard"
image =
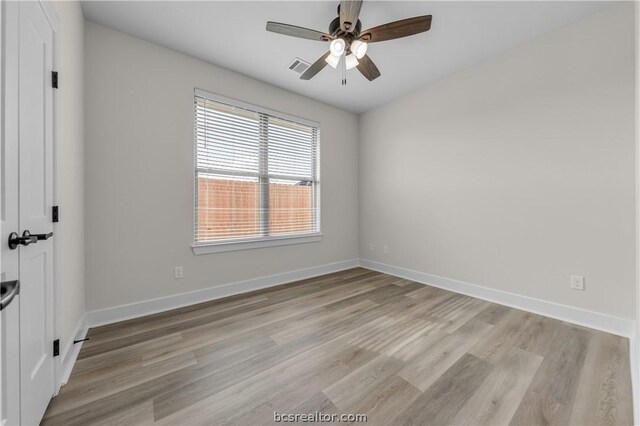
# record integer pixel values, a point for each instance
(610, 324)
(153, 306)
(634, 359)
(70, 353)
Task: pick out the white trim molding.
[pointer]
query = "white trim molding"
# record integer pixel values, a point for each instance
(255, 243)
(256, 108)
(610, 324)
(153, 306)
(634, 360)
(71, 351)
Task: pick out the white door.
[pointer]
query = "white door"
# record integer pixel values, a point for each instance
(9, 263)
(34, 38)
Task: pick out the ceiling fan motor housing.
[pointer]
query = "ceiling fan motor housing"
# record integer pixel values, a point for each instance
(334, 29)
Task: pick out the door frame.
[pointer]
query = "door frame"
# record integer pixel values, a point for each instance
(52, 16)
(12, 102)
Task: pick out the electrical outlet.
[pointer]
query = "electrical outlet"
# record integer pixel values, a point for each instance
(385, 249)
(178, 272)
(577, 282)
(370, 247)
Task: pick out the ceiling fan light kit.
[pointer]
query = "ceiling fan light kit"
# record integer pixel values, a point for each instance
(337, 47)
(351, 61)
(333, 60)
(348, 41)
(359, 48)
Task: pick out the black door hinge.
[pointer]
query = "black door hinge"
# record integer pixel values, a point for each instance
(54, 79)
(56, 347)
(54, 214)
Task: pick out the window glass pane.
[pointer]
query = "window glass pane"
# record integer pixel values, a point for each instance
(291, 207)
(236, 149)
(227, 138)
(292, 149)
(227, 208)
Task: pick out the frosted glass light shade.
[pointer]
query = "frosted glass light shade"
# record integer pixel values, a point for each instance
(337, 47)
(351, 61)
(332, 60)
(359, 48)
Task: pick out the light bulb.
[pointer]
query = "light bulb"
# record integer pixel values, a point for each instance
(359, 48)
(337, 47)
(351, 61)
(333, 60)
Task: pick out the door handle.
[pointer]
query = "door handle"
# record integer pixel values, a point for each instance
(26, 239)
(8, 290)
(41, 237)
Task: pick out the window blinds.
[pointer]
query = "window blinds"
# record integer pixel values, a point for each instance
(256, 173)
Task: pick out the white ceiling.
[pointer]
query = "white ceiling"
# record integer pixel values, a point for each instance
(232, 34)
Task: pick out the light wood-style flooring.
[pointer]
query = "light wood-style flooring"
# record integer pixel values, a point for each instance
(355, 341)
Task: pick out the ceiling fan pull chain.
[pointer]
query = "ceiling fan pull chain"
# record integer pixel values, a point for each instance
(344, 70)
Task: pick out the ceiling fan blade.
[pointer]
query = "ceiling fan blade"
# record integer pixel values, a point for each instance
(300, 32)
(368, 68)
(315, 68)
(397, 29)
(349, 12)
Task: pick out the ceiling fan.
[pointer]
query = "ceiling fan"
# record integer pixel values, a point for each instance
(348, 43)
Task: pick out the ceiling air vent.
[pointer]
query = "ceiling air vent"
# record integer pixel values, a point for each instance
(299, 66)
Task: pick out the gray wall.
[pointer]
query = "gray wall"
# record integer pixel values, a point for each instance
(139, 174)
(635, 351)
(516, 173)
(70, 159)
(513, 174)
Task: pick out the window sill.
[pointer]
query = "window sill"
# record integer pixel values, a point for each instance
(254, 244)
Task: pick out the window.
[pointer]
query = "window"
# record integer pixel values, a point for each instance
(256, 175)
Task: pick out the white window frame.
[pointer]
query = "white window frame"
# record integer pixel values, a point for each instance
(262, 241)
